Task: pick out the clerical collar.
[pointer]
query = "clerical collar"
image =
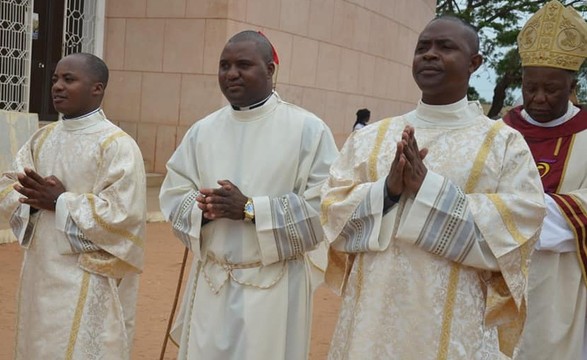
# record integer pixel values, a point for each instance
(90, 122)
(572, 110)
(455, 115)
(82, 116)
(255, 105)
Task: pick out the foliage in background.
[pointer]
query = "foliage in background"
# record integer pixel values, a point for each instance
(498, 23)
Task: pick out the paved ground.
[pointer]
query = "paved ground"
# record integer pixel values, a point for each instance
(163, 262)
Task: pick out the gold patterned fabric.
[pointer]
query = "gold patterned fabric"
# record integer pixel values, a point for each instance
(79, 304)
(435, 276)
(556, 36)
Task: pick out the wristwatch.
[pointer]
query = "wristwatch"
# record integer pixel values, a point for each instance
(249, 210)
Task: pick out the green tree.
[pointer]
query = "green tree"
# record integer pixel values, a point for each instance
(498, 23)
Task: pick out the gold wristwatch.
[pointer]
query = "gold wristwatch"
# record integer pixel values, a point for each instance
(249, 210)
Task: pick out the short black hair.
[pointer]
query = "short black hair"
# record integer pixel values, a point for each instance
(471, 31)
(96, 67)
(363, 114)
(263, 44)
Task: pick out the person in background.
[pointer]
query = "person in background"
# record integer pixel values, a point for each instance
(76, 200)
(431, 216)
(363, 116)
(242, 192)
(552, 47)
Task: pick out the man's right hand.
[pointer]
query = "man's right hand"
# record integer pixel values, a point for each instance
(395, 177)
(224, 202)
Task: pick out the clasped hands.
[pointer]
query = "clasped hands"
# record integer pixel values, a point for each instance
(40, 193)
(407, 171)
(226, 201)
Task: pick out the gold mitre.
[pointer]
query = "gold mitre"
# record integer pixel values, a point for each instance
(556, 36)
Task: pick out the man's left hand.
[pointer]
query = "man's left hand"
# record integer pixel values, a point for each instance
(226, 202)
(414, 170)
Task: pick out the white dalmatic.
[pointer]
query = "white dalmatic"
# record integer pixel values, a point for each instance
(435, 275)
(79, 278)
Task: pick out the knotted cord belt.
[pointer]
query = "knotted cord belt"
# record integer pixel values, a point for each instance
(229, 267)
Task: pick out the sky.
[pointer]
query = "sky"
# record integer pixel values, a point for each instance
(483, 80)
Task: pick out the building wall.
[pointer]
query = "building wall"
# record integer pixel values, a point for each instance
(336, 56)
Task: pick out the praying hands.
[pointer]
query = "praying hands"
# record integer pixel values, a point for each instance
(226, 201)
(407, 171)
(40, 193)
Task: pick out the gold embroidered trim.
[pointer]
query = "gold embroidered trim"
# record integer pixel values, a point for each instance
(41, 141)
(376, 148)
(510, 225)
(574, 229)
(6, 190)
(111, 138)
(558, 146)
(583, 244)
(580, 205)
(575, 216)
(121, 232)
(565, 167)
(324, 208)
(448, 312)
(360, 277)
(372, 166)
(479, 163)
(451, 294)
(77, 317)
(359, 289)
(507, 218)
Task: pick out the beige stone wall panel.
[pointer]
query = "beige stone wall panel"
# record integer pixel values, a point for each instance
(200, 96)
(336, 56)
(183, 43)
(114, 43)
(160, 96)
(126, 8)
(166, 8)
(122, 99)
(165, 144)
(321, 19)
(144, 44)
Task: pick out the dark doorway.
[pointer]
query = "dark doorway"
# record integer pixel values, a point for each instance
(46, 52)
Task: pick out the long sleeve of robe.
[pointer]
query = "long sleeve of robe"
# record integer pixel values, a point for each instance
(437, 273)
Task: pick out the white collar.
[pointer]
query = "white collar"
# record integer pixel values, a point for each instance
(456, 115)
(85, 121)
(253, 106)
(258, 112)
(572, 110)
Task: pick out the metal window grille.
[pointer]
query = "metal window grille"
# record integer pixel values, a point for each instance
(80, 27)
(15, 54)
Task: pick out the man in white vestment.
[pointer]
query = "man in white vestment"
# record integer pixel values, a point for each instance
(242, 192)
(430, 239)
(552, 47)
(76, 202)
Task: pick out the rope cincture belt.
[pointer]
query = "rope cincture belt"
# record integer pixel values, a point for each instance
(229, 267)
